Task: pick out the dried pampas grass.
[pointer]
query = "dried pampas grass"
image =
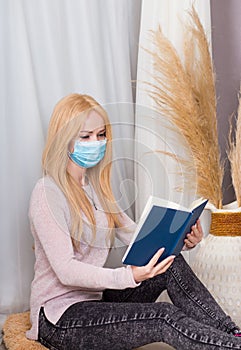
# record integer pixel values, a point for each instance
(234, 154)
(185, 94)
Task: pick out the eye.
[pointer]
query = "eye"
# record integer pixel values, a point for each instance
(84, 137)
(102, 134)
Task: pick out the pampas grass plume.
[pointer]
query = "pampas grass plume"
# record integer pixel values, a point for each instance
(234, 154)
(184, 93)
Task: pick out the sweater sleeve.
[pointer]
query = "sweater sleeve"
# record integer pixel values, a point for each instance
(48, 217)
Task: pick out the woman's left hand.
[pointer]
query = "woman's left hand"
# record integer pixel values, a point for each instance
(196, 235)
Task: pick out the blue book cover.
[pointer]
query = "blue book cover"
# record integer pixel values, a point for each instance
(162, 224)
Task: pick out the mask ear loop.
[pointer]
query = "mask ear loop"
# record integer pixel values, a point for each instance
(71, 146)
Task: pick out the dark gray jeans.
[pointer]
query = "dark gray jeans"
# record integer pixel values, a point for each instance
(127, 319)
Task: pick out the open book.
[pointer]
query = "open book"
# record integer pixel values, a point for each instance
(162, 224)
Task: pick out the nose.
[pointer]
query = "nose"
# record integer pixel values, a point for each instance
(94, 137)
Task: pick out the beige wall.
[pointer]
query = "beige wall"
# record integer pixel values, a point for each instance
(226, 42)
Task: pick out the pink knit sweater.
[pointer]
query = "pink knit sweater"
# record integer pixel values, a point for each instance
(64, 276)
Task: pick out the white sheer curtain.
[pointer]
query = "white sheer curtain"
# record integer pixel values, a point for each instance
(50, 49)
(156, 173)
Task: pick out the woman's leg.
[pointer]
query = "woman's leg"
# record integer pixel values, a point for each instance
(186, 292)
(124, 326)
(148, 291)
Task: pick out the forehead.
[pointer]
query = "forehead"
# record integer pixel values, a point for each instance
(93, 121)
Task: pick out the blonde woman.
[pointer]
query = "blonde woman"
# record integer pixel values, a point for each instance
(76, 302)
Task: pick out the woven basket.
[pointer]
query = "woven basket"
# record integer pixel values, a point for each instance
(218, 261)
(226, 223)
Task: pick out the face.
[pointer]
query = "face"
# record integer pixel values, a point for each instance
(93, 128)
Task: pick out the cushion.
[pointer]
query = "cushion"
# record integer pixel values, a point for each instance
(14, 330)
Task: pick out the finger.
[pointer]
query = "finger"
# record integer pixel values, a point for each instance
(165, 262)
(155, 258)
(199, 227)
(196, 232)
(189, 244)
(164, 265)
(191, 238)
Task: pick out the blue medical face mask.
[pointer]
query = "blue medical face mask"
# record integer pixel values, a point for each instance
(87, 154)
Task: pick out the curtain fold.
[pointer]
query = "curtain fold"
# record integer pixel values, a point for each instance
(158, 174)
(48, 50)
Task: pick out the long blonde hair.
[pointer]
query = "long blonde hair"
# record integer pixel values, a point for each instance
(67, 120)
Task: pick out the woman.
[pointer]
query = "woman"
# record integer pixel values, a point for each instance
(77, 303)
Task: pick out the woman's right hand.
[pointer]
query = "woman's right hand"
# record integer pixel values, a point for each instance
(152, 269)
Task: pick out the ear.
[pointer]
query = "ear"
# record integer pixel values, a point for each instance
(71, 146)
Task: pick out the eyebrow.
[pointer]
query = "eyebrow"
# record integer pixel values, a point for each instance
(90, 132)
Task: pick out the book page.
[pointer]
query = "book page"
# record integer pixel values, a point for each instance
(196, 203)
(167, 204)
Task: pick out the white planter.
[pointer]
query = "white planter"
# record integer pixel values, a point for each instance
(218, 260)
